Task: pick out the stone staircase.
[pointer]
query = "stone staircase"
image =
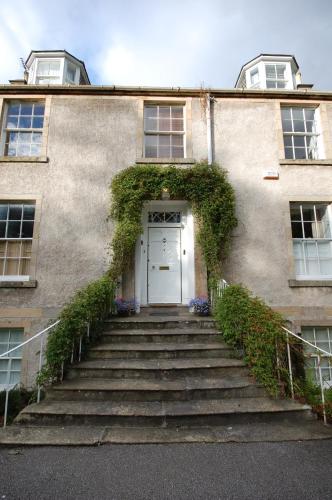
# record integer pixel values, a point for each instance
(163, 379)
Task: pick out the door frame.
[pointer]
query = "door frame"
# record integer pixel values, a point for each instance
(187, 250)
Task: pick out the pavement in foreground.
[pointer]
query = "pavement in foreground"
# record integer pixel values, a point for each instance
(292, 470)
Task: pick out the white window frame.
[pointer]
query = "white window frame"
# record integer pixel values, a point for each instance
(20, 258)
(326, 361)
(276, 79)
(165, 133)
(31, 130)
(312, 241)
(15, 356)
(315, 134)
(59, 60)
(253, 72)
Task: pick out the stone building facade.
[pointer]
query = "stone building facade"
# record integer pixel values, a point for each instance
(63, 140)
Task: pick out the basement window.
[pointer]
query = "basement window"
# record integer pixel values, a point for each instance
(320, 336)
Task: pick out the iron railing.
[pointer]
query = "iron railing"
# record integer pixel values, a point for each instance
(319, 353)
(76, 349)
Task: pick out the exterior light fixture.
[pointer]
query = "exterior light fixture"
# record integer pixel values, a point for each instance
(165, 194)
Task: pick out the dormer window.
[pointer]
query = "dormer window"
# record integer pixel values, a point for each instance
(271, 72)
(56, 67)
(275, 76)
(254, 78)
(48, 72)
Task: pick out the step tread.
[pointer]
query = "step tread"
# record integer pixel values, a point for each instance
(161, 347)
(159, 364)
(186, 383)
(163, 331)
(165, 408)
(96, 435)
(160, 319)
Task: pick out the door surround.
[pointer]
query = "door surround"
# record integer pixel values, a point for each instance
(186, 226)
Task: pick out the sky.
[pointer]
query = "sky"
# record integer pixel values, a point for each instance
(186, 43)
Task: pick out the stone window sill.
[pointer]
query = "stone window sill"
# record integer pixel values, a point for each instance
(169, 161)
(23, 159)
(18, 284)
(309, 283)
(305, 162)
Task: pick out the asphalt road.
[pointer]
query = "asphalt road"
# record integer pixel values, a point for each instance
(296, 470)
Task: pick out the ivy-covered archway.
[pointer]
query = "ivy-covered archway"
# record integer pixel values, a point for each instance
(205, 187)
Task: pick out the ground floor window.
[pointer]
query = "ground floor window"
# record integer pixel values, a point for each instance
(16, 236)
(10, 338)
(312, 240)
(320, 336)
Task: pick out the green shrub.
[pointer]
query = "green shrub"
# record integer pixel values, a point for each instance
(247, 322)
(89, 305)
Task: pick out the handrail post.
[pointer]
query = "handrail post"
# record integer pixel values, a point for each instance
(9, 367)
(290, 367)
(40, 364)
(322, 388)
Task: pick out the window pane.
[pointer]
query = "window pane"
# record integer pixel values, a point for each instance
(164, 140)
(12, 267)
(38, 109)
(24, 122)
(26, 109)
(287, 125)
(308, 212)
(151, 146)
(295, 212)
(300, 153)
(164, 125)
(29, 212)
(309, 113)
(309, 229)
(164, 152)
(23, 150)
(37, 122)
(150, 124)
(298, 126)
(150, 111)
(286, 113)
(177, 111)
(281, 85)
(177, 152)
(281, 71)
(298, 114)
(15, 212)
(13, 229)
(297, 230)
(271, 84)
(177, 125)
(3, 212)
(27, 229)
(288, 141)
(289, 153)
(35, 149)
(13, 248)
(270, 71)
(2, 229)
(12, 121)
(13, 109)
(299, 141)
(164, 112)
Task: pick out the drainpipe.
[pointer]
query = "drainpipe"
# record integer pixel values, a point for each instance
(209, 128)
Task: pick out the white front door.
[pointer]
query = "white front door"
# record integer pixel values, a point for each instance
(164, 265)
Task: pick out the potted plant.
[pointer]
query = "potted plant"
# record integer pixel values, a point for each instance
(200, 306)
(125, 307)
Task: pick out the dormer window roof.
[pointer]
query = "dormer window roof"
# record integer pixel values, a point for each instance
(270, 71)
(55, 67)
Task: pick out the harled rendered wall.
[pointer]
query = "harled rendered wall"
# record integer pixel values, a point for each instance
(88, 139)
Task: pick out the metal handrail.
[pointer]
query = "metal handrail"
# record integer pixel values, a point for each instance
(5, 354)
(29, 340)
(319, 356)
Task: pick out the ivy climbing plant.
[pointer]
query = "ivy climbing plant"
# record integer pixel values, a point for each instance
(204, 186)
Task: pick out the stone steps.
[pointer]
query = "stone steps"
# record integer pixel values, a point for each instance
(163, 413)
(181, 389)
(158, 368)
(150, 379)
(160, 350)
(166, 335)
(158, 323)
